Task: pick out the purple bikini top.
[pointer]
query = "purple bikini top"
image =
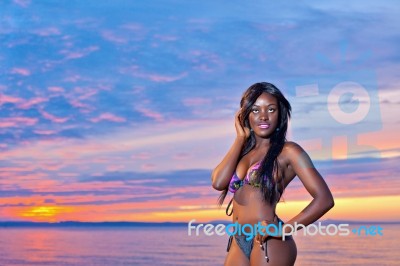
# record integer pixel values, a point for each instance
(236, 182)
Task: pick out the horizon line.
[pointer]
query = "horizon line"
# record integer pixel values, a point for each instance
(11, 222)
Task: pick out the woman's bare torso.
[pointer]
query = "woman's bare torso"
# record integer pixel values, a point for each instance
(249, 207)
(248, 204)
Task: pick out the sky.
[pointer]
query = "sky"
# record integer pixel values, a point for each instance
(119, 111)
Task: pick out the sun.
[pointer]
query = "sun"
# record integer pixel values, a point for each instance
(43, 213)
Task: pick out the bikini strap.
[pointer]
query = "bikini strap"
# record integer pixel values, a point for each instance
(227, 208)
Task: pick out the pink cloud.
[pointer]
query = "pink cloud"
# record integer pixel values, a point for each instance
(112, 37)
(20, 71)
(104, 87)
(33, 101)
(204, 60)
(53, 118)
(14, 169)
(55, 89)
(103, 160)
(138, 89)
(134, 70)
(73, 78)
(148, 167)
(78, 54)
(9, 99)
(113, 168)
(74, 55)
(163, 78)
(85, 93)
(17, 121)
(203, 67)
(76, 103)
(167, 38)
(45, 132)
(108, 117)
(150, 113)
(66, 174)
(136, 32)
(47, 31)
(141, 156)
(132, 26)
(51, 166)
(181, 156)
(196, 101)
(22, 3)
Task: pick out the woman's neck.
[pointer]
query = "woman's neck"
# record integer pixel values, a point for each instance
(262, 143)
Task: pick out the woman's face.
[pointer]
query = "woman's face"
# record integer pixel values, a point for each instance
(264, 115)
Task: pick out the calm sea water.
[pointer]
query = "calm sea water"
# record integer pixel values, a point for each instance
(172, 246)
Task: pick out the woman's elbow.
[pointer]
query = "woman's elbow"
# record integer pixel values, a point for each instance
(332, 203)
(325, 203)
(217, 185)
(329, 203)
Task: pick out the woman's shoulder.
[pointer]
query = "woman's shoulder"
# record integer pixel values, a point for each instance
(291, 148)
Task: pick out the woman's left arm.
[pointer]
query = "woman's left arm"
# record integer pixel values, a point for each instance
(303, 167)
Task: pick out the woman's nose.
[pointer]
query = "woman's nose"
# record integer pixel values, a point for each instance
(264, 116)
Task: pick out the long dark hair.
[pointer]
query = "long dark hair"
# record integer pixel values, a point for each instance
(269, 168)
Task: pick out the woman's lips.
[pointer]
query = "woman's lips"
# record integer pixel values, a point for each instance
(263, 126)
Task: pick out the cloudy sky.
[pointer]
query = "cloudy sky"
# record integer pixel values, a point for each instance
(119, 111)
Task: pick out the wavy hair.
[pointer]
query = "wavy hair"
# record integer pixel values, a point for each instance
(269, 168)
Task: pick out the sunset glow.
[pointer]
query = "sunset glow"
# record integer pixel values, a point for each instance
(121, 116)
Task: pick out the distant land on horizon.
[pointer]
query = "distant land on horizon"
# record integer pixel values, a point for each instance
(152, 224)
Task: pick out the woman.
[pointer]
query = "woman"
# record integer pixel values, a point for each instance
(257, 168)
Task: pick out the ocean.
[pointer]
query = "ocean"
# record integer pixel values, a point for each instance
(171, 245)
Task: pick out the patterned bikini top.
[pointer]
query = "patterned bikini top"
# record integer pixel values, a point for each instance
(236, 182)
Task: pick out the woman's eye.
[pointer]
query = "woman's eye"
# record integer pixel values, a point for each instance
(255, 111)
(271, 110)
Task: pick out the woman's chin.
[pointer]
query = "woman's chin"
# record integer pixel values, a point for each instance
(264, 135)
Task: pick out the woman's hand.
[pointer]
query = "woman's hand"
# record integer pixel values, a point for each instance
(262, 234)
(241, 131)
(268, 228)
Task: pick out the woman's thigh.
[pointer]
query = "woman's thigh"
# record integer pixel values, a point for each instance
(280, 253)
(235, 256)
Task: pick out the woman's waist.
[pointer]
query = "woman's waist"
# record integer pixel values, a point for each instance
(250, 195)
(254, 209)
(255, 218)
(273, 226)
(253, 214)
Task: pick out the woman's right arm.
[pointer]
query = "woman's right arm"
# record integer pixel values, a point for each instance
(222, 174)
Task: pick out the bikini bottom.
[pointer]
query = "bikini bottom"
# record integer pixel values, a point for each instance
(247, 245)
